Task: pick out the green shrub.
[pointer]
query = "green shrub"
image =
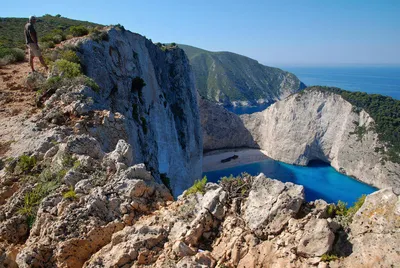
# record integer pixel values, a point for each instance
(71, 194)
(137, 84)
(341, 208)
(26, 163)
(78, 30)
(144, 125)
(135, 113)
(52, 82)
(33, 199)
(345, 214)
(198, 187)
(98, 35)
(68, 69)
(237, 186)
(77, 164)
(56, 36)
(11, 55)
(328, 257)
(166, 181)
(120, 27)
(356, 206)
(69, 55)
(46, 45)
(92, 84)
(68, 161)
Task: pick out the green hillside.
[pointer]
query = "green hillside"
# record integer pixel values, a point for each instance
(12, 29)
(226, 77)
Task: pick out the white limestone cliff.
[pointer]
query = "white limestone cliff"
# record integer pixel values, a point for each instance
(316, 125)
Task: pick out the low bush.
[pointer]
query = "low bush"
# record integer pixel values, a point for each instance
(137, 84)
(98, 35)
(345, 214)
(56, 36)
(25, 164)
(92, 84)
(166, 181)
(78, 30)
(56, 82)
(71, 194)
(198, 187)
(33, 199)
(68, 161)
(69, 55)
(67, 69)
(329, 257)
(144, 125)
(120, 27)
(11, 55)
(237, 187)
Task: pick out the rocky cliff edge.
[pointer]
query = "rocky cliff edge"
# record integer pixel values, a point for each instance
(320, 125)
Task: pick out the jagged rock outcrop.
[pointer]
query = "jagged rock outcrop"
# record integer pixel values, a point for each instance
(271, 205)
(120, 216)
(222, 129)
(317, 125)
(375, 232)
(147, 97)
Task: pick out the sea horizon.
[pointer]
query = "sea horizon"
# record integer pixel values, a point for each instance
(372, 79)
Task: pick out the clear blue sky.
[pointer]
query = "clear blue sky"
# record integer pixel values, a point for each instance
(280, 33)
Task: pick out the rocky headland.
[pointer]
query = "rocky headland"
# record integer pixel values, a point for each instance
(89, 179)
(321, 125)
(235, 80)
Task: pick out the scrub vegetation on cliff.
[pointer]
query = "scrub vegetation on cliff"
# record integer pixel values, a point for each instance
(384, 110)
(11, 29)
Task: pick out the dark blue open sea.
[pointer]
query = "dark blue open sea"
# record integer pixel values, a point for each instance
(384, 80)
(321, 180)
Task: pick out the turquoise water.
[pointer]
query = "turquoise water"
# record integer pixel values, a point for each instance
(384, 80)
(320, 181)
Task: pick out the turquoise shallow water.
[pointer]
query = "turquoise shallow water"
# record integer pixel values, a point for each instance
(320, 181)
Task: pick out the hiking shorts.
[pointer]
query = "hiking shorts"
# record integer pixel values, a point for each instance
(34, 50)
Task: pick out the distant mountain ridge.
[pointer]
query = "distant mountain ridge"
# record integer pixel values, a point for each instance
(230, 78)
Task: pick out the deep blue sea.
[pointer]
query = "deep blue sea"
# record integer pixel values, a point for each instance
(384, 80)
(320, 181)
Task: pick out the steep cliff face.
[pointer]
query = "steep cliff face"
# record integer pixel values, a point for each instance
(221, 128)
(316, 125)
(161, 120)
(234, 79)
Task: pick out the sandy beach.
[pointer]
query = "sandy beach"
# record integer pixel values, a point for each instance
(212, 160)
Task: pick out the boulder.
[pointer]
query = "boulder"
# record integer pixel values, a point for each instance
(271, 204)
(317, 239)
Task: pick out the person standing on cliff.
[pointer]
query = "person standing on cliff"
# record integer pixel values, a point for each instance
(32, 43)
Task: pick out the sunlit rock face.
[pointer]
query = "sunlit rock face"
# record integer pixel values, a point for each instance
(161, 120)
(317, 125)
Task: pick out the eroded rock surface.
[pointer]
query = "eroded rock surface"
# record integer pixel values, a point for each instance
(222, 129)
(317, 125)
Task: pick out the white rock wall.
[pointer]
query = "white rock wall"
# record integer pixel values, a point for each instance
(170, 139)
(318, 126)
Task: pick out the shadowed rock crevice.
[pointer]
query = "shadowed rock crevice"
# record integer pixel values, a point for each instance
(222, 129)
